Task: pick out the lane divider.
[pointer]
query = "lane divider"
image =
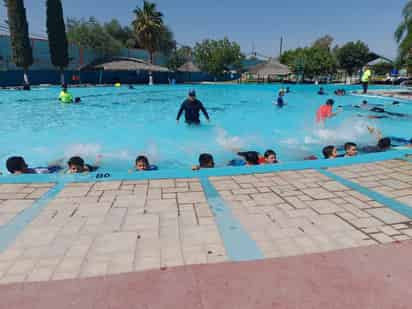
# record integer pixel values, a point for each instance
(10, 231)
(382, 199)
(238, 243)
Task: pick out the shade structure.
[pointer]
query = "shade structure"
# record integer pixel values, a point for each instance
(123, 64)
(270, 68)
(189, 67)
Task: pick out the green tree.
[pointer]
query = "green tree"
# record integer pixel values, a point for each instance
(19, 35)
(167, 44)
(324, 42)
(56, 30)
(122, 34)
(293, 58)
(403, 33)
(319, 61)
(310, 61)
(151, 33)
(91, 34)
(353, 56)
(214, 57)
(179, 57)
(382, 68)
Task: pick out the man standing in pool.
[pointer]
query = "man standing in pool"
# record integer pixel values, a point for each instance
(192, 106)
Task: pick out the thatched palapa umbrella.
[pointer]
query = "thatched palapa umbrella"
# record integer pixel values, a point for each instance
(122, 64)
(189, 68)
(270, 68)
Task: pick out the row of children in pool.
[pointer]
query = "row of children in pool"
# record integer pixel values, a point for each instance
(383, 144)
(76, 165)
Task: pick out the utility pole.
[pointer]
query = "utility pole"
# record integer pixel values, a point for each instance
(281, 47)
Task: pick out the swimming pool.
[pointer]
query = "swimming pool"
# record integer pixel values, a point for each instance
(120, 123)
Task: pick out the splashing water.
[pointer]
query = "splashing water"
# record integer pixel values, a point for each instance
(83, 150)
(349, 130)
(229, 143)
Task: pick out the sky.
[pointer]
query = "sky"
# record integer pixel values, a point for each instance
(257, 23)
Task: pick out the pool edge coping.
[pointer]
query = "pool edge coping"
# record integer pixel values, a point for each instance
(104, 176)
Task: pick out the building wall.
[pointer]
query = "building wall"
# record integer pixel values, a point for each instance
(79, 56)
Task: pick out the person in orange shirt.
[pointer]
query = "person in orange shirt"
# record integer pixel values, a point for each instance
(325, 111)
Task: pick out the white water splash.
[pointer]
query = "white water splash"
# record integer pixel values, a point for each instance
(353, 130)
(230, 143)
(83, 150)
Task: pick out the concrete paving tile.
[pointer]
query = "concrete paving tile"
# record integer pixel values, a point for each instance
(37, 193)
(94, 269)
(109, 185)
(162, 183)
(70, 265)
(324, 206)
(15, 206)
(319, 193)
(115, 243)
(382, 238)
(366, 222)
(407, 232)
(400, 226)
(13, 278)
(406, 199)
(387, 215)
(387, 230)
(22, 266)
(40, 274)
(401, 237)
(147, 262)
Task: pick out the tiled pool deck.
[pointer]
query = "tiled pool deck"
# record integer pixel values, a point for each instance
(98, 234)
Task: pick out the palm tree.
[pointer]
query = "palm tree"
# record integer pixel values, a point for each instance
(403, 34)
(151, 33)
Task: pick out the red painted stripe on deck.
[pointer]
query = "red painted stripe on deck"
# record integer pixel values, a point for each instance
(368, 277)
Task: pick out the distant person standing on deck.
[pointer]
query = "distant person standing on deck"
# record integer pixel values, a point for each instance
(366, 75)
(192, 106)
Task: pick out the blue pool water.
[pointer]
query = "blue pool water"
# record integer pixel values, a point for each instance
(120, 123)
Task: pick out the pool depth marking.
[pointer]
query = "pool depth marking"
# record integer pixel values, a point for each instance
(10, 231)
(388, 202)
(238, 244)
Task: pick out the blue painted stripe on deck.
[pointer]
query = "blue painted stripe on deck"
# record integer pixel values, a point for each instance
(10, 231)
(239, 245)
(388, 202)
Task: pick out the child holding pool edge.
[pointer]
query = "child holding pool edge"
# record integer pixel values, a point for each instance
(76, 165)
(142, 164)
(205, 161)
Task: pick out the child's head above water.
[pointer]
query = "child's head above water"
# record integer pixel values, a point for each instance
(76, 165)
(330, 152)
(251, 157)
(142, 163)
(351, 149)
(384, 143)
(16, 165)
(206, 161)
(270, 156)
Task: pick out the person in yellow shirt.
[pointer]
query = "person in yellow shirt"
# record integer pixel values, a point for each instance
(65, 96)
(366, 75)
